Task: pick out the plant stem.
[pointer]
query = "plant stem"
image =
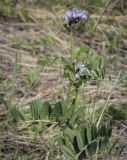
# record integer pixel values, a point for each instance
(71, 51)
(43, 121)
(71, 39)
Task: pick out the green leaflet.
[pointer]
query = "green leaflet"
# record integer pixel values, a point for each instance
(84, 135)
(89, 136)
(36, 109)
(80, 140)
(74, 117)
(57, 110)
(70, 133)
(16, 114)
(40, 110)
(68, 152)
(46, 109)
(92, 148)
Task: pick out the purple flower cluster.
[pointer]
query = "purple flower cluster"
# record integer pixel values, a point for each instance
(79, 69)
(74, 15)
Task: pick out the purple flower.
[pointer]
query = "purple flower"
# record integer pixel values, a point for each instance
(79, 67)
(74, 15)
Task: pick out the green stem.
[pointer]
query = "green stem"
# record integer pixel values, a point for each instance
(71, 48)
(71, 51)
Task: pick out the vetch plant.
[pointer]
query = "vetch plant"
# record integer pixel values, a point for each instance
(89, 139)
(80, 138)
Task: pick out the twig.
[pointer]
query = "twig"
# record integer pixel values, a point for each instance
(44, 121)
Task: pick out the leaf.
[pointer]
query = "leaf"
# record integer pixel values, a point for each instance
(97, 73)
(69, 112)
(68, 152)
(71, 76)
(57, 110)
(46, 109)
(36, 109)
(61, 141)
(87, 72)
(64, 106)
(103, 144)
(69, 72)
(89, 136)
(103, 131)
(16, 114)
(70, 134)
(93, 132)
(53, 101)
(75, 144)
(80, 140)
(94, 75)
(92, 148)
(84, 135)
(74, 117)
